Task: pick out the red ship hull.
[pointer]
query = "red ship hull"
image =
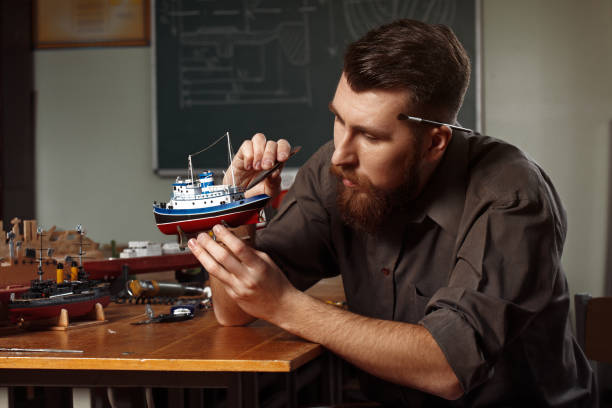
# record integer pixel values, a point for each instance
(74, 309)
(206, 223)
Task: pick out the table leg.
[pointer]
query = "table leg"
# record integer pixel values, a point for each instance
(250, 390)
(291, 390)
(242, 392)
(81, 398)
(176, 397)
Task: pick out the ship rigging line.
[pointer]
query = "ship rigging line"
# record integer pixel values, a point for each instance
(208, 147)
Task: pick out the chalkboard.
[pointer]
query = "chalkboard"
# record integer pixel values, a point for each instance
(268, 66)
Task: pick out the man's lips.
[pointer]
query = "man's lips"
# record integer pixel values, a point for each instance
(347, 180)
(348, 183)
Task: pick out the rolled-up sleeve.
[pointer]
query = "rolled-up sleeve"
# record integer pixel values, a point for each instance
(503, 276)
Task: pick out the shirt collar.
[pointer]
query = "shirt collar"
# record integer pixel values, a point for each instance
(444, 195)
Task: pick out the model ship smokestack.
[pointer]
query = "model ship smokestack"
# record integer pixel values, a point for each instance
(59, 273)
(74, 271)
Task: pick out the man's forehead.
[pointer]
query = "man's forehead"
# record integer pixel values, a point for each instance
(400, 98)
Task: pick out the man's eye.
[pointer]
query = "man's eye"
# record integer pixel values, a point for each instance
(370, 138)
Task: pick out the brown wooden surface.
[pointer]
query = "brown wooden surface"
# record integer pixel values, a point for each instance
(195, 345)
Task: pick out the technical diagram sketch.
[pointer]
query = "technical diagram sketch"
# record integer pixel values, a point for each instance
(237, 52)
(363, 15)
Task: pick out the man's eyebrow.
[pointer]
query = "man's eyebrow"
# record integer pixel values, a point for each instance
(374, 132)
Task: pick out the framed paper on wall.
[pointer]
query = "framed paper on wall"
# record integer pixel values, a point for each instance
(90, 23)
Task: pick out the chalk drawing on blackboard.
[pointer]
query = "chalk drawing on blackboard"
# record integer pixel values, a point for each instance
(363, 15)
(233, 53)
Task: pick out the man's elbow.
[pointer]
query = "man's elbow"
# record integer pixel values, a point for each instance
(451, 389)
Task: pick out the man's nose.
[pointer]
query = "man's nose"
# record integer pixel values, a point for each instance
(344, 150)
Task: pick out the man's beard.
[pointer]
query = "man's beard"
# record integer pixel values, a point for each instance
(365, 207)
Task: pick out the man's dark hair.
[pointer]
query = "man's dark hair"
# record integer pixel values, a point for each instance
(426, 59)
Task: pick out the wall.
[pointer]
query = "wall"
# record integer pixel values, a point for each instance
(93, 143)
(547, 89)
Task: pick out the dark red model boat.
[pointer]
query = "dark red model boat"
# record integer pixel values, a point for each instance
(46, 297)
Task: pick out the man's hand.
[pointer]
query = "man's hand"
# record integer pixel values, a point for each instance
(250, 277)
(254, 156)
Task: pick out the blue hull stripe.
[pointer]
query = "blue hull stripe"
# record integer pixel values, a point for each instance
(209, 210)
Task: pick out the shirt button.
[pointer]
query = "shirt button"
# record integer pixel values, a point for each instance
(385, 271)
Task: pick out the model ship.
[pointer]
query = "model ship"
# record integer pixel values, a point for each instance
(47, 297)
(198, 205)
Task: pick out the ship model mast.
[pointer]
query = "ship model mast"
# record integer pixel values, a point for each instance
(79, 229)
(39, 230)
(39, 233)
(229, 149)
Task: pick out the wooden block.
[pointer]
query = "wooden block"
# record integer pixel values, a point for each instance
(62, 319)
(98, 313)
(62, 322)
(96, 316)
(33, 228)
(27, 231)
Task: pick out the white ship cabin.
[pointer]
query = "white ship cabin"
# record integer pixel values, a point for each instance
(202, 193)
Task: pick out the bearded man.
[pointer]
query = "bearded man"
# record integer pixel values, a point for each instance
(449, 244)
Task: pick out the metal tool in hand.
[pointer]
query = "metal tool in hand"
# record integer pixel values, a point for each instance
(266, 173)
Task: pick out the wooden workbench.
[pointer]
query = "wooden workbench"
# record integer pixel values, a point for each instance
(194, 353)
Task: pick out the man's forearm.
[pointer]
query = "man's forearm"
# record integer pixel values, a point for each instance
(227, 312)
(402, 353)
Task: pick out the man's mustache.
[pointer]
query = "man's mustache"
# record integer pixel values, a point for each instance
(342, 174)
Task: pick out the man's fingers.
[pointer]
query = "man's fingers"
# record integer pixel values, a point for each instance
(246, 150)
(259, 145)
(209, 263)
(283, 149)
(239, 248)
(219, 253)
(269, 157)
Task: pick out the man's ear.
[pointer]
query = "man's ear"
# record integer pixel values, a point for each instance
(438, 139)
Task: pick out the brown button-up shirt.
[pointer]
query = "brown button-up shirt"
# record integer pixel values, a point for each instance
(476, 261)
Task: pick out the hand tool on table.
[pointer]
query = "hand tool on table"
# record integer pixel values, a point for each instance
(146, 288)
(177, 313)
